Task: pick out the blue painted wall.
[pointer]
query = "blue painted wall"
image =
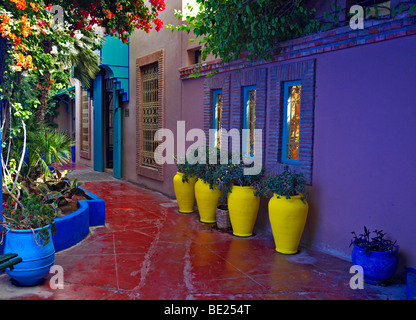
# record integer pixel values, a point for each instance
(98, 124)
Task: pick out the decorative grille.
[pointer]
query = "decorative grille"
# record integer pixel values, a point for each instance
(149, 124)
(251, 113)
(84, 122)
(293, 110)
(218, 111)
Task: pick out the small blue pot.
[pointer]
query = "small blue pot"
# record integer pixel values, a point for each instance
(73, 155)
(377, 266)
(36, 260)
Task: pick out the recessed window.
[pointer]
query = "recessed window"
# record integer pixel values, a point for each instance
(194, 56)
(249, 120)
(291, 122)
(85, 125)
(216, 117)
(149, 114)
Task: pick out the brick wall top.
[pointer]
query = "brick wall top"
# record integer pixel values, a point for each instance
(335, 39)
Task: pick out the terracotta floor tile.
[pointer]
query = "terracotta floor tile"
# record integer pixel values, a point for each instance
(147, 250)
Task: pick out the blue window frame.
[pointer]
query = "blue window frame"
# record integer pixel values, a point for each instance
(249, 119)
(291, 122)
(216, 117)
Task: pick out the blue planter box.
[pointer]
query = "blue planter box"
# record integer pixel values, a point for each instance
(411, 284)
(74, 227)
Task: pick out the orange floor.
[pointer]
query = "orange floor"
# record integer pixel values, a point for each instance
(148, 250)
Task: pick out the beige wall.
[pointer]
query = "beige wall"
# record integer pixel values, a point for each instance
(63, 118)
(175, 46)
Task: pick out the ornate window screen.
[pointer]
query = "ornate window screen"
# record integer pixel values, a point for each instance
(217, 112)
(249, 119)
(149, 114)
(85, 124)
(291, 122)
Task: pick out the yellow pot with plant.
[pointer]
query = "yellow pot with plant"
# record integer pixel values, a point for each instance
(185, 192)
(288, 209)
(208, 192)
(184, 185)
(243, 207)
(207, 199)
(243, 197)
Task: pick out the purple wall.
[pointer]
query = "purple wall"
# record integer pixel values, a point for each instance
(364, 144)
(364, 153)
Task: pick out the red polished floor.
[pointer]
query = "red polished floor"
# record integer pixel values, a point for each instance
(147, 250)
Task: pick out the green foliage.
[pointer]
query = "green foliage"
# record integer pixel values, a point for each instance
(219, 169)
(288, 183)
(34, 214)
(227, 29)
(234, 173)
(231, 29)
(47, 146)
(376, 243)
(184, 166)
(208, 166)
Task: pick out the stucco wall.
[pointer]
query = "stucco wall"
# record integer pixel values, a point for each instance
(175, 46)
(364, 153)
(364, 147)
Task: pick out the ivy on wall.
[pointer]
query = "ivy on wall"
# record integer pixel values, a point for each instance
(230, 29)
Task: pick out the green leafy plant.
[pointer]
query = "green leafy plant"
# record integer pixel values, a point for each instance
(47, 146)
(235, 174)
(185, 167)
(210, 162)
(227, 29)
(31, 213)
(376, 243)
(288, 183)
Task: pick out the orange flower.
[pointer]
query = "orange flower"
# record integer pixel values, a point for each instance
(20, 4)
(34, 6)
(25, 26)
(109, 14)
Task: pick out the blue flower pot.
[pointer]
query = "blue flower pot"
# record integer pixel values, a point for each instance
(37, 259)
(73, 155)
(377, 266)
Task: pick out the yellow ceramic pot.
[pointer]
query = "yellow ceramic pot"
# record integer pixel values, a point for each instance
(207, 200)
(185, 193)
(287, 219)
(243, 206)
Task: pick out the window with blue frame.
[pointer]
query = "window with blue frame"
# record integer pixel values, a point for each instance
(291, 122)
(216, 117)
(249, 119)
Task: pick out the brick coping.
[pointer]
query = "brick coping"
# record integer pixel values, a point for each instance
(335, 39)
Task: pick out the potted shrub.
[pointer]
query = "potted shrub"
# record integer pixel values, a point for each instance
(288, 209)
(184, 185)
(207, 187)
(377, 255)
(243, 197)
(29, 225)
